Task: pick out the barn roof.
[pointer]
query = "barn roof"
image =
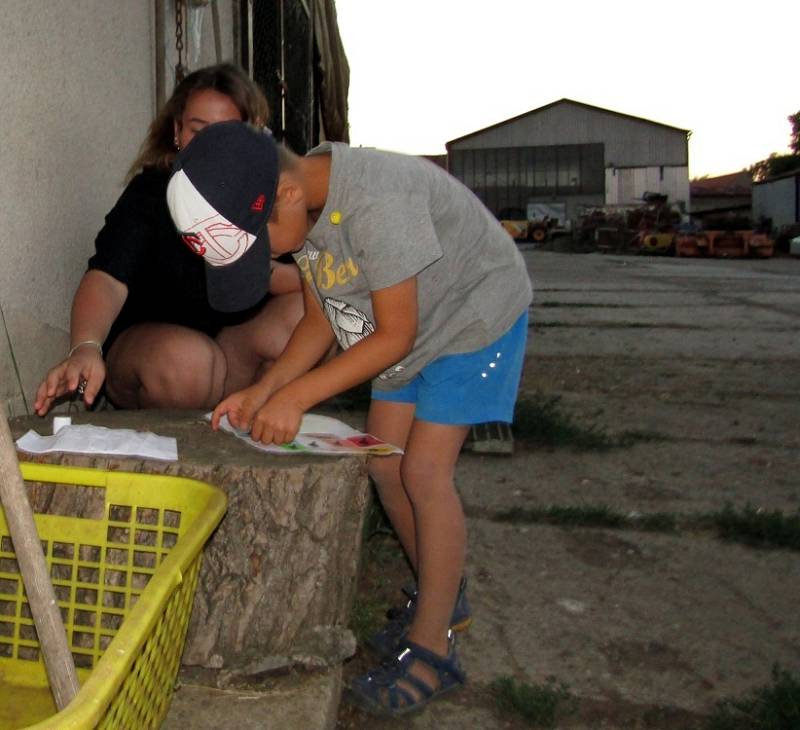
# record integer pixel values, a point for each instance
(556, 103)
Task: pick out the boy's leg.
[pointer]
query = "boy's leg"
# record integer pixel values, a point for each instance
(251, 347)
(159, 365)
(427, 471)
(391, 421)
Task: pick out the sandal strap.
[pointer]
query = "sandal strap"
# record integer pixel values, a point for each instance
(447, 668)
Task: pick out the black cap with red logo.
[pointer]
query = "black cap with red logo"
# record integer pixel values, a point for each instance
(220, 197)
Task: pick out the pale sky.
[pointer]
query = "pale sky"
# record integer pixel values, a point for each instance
(424, 72)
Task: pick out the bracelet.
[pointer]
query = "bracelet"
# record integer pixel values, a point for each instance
(86, 342)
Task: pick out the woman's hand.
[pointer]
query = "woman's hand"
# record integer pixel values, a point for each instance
(86, 366)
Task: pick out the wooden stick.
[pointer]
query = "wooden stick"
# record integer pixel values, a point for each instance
(41, 596)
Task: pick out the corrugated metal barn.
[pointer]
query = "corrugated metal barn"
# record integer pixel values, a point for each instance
(778, 199)
(572, 153)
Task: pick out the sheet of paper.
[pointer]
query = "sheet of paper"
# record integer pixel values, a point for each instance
(88, 439)
(320, 435)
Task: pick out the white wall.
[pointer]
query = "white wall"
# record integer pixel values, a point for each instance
(627, 186)
(777, 200)
(77, 89)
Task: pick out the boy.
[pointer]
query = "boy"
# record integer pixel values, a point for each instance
(425, 293)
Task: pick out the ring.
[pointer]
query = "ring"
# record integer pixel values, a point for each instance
(81, 386)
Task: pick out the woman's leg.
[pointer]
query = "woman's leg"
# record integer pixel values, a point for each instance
(158, 365)
(251, 347)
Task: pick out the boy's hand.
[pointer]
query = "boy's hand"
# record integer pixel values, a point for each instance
(240, 407)
(277, 421)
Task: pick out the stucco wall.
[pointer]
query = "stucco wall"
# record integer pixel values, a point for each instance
(78, 93)
(79, 90)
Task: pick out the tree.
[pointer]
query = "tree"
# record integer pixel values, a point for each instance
(774, 165)
(794, 140)
(777, 164)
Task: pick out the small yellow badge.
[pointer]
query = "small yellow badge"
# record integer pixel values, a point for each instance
(336, 217)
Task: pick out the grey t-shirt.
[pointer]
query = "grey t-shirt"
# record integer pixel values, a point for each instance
(389, 217)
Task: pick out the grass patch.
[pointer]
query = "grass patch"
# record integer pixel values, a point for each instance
(538, 704)
(540, 420)
(564, 516)
(773, 707)
(750, 526)
(590, 516)
(758, 528)
(575, 305)
(656, 522)
(381, 558)
(366, 617)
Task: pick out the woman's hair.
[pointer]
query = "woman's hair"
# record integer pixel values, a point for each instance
(158, 149)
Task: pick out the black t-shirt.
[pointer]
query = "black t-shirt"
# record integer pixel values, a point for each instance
(138, 245)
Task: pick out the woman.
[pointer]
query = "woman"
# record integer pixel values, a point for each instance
(142, 303)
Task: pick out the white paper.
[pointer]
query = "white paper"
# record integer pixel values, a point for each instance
(320, 435)
(88, 439)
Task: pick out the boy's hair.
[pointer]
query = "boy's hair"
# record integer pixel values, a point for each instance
(158, 149)
(287, 160)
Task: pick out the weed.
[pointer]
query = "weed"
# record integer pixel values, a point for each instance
(539, 704)
(656, 522)
(565, 516)
(376, 522)
(575, 305)
(366, 616)
(757, 527)
(629, 438)
(773, 707)
(539, 420)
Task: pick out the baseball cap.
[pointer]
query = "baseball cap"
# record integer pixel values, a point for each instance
(220, 197)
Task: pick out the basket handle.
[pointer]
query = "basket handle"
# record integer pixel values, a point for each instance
(41, 596)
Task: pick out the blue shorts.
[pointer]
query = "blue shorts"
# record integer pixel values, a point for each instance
(469, 387)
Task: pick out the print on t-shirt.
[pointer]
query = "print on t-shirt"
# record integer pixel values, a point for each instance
(349, 324)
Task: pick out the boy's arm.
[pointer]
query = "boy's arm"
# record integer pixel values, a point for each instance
(309, 342)
(395, 311)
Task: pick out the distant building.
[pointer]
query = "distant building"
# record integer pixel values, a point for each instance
(574, 154)
(724, 195)
(440, 160)
(778, 200)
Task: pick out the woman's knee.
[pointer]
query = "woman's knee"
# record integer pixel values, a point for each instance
(167, 367)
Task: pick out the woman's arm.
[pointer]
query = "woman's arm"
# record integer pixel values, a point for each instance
(285, 278)
(96, 304)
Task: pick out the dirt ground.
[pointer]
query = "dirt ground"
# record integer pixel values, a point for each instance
(647, 629)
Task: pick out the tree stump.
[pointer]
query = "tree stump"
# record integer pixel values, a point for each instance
(278, 576)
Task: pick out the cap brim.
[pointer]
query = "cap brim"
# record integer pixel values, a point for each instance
(245, 282)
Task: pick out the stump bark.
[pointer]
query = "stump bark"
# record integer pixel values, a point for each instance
(278, 576)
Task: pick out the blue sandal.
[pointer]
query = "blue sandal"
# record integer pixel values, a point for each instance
(388, 640)
(382, 691)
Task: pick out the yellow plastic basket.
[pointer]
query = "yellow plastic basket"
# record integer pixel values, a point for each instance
(125, 584)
